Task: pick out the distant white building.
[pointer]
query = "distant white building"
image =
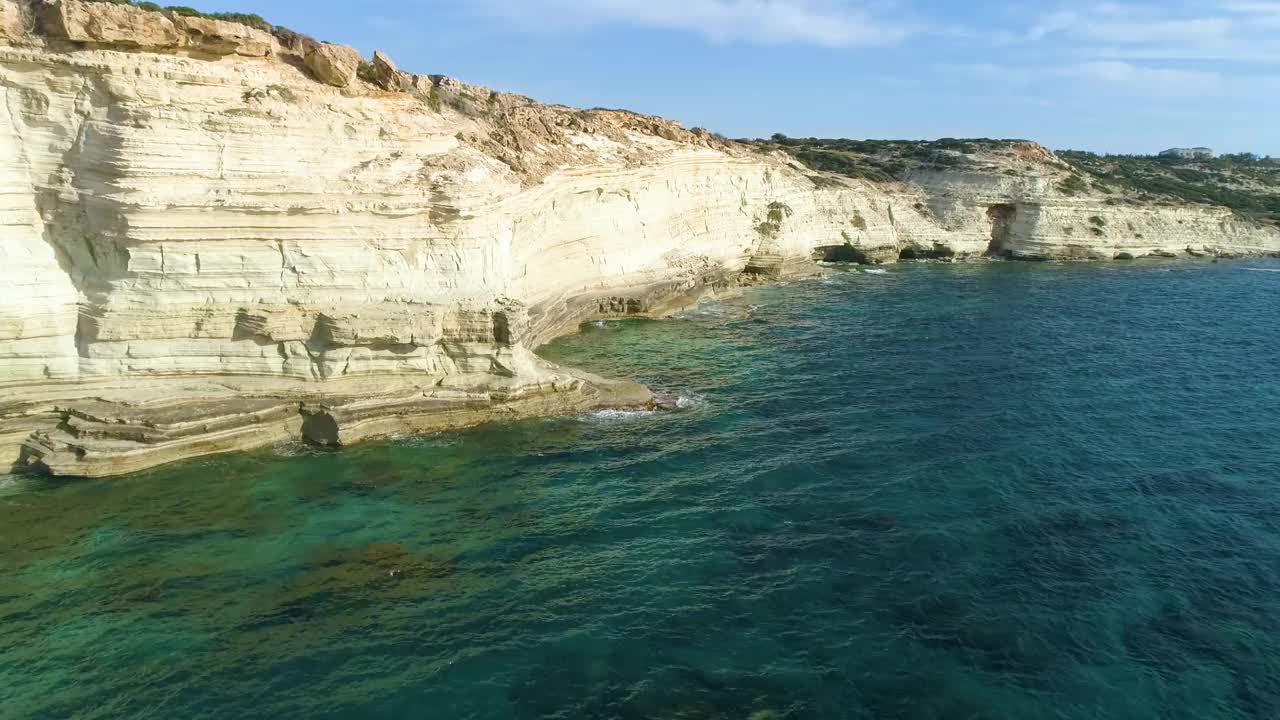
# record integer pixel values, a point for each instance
(1197, 153)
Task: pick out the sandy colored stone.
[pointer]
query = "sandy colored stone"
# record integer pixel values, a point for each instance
(11, 20)
(389, 76)
(108, 24)
(334, 65)
(224, 38)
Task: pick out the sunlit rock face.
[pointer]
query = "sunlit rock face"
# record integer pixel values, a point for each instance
(199, 224)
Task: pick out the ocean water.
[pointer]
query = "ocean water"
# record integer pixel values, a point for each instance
(944, 492)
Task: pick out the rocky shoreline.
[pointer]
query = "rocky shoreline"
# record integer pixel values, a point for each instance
(215, 236)
(105, 438)
(115, 428)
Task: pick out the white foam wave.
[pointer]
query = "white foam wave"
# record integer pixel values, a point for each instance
(875, 271)
(706, 309)
(1276, 270)
(614, 414)
(685, 402)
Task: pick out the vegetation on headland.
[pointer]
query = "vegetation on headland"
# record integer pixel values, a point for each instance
(880, 160)
(1246, 183)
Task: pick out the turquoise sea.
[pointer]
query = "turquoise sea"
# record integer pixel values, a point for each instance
(991, 491)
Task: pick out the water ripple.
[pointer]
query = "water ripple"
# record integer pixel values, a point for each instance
(951, 491)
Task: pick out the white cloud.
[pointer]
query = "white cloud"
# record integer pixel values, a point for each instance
(1131, 24)
(1263, 14)
(988, 72)
(1245, 54)
(1108, 77)
(1237, 31)
(1252, 7)
(1145, 80)
(828, 23)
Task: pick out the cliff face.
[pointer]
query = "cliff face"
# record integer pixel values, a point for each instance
(210, 240)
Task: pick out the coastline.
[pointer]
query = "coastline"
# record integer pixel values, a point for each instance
(1003, 450)
(136, 425)
(330, 255)
(175, 419)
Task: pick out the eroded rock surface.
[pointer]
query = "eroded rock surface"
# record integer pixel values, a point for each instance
(224, 38)
(389, 76)
(203, 252)
(12, 20)
(335, 65)
(108, 23)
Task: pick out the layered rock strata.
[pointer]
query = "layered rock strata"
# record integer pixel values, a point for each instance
(211, 240)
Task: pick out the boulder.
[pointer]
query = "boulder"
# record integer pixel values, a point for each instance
(224, 38)
(11, 25)
(109, 24)
(389, 76)
(334, 65)
(421, 84)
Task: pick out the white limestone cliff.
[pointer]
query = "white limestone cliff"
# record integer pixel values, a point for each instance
(210, 240)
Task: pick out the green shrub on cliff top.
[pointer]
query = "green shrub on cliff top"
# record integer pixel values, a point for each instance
(880, 160)
(1245, 183)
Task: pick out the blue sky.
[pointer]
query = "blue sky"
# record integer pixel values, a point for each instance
(1103, 76)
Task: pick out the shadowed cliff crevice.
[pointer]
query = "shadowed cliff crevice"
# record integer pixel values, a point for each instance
(1002, 219)
(916, 252)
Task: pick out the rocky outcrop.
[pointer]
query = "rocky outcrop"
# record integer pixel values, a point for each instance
(389, 76)
(1018, 209)
(201, 252)
(127, 26)
(12, 20)
(109, 24)
(334, 65)
(100, 438)
(224, 38)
